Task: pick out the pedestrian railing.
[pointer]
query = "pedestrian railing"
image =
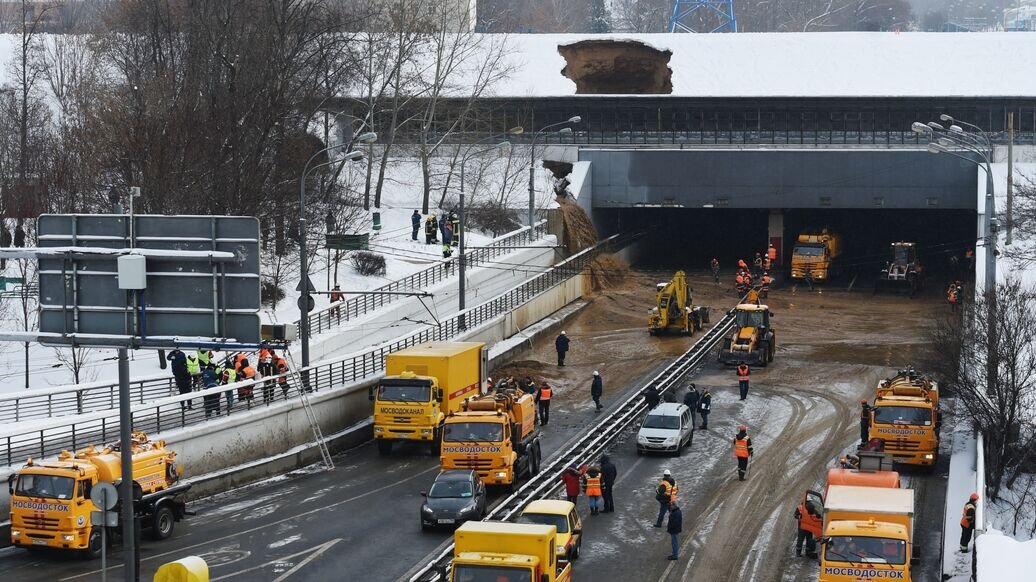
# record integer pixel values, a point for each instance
(51, 437)
(95, 396)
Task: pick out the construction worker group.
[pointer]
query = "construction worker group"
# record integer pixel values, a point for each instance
(757, 278)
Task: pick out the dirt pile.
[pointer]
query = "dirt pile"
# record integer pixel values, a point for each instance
(617, 67)
(579, 232)
(608, 272)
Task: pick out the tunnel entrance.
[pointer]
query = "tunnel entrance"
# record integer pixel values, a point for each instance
(683, 238)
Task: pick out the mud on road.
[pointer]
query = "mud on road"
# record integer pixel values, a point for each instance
(802, 414)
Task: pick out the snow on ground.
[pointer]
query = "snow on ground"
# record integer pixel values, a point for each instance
(1003, 558)
(403, 256)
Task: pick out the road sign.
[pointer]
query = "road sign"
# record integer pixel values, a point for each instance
(306, 303)
(104, 518)
(104, 495)
(202, 280)
(309, 282)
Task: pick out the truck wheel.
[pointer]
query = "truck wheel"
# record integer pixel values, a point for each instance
(384, 447)
(162, 523)
(93, 546)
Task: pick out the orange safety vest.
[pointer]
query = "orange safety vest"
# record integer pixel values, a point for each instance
(771, 253)
(668, 490)
(336, 296)
(809, 522)
(742, 372)
(951, 294)
(741, 448)
(593, 486)
(741, 263)
(545, 393)
(740, 279)
(964, 520)
(282, 367)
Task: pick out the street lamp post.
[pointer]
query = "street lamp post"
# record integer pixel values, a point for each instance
(304, 298)
(532, 164)
(946, 140)
(502, 146)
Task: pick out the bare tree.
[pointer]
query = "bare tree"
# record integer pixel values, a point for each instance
(76, 360)
(641, 15)
(1003, 408)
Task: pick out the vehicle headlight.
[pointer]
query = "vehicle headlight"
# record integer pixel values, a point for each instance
(642, 439)
(501, 474)
(929, 457)
(426, 509)
(379, 429)
(68, 537)
(15, 533)
(426, 431)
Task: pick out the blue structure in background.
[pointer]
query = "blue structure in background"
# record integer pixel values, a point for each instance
(683, 10)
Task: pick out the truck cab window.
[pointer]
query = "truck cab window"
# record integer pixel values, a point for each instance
(405, 393)
(47, 486)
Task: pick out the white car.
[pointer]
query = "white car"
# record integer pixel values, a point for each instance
(667, 428)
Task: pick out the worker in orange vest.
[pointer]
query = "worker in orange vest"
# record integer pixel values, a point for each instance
(592, 485)
(336, 297)
(953, 295)
(543, 398)
(245, 392)
(281, 367)
(767, 280)
(742, 265)
(742, 379)
(810, 525)
(739, 283)
(967, 522)
(742, 451)
(771, 255)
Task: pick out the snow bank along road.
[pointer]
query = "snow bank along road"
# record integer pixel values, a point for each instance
(801, 413)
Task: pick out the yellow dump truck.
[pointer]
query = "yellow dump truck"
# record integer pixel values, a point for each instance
(494, 435)
(868, 534)
(905, 416)
(815, 253)
(516, 552)
(422, 385)
(50, 500)
(754, 339)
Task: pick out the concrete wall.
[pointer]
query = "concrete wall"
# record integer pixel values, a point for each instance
(780, 178)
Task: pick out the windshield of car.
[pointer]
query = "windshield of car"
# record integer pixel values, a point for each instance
(49, 486)
(558, 521)
(450, 488)
(473, 573)
(902, 415)
(459, 432)
(902, 255)
(809, 250)
(866, 550)
(660, 421)
(749, 318)
(405, 392)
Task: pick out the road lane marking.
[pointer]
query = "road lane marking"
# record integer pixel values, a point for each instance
(313, 552)
(264, 526)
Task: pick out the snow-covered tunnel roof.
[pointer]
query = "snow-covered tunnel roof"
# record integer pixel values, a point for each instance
(828, 64)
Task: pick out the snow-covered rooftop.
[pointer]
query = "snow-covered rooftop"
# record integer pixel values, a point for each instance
(828, 64)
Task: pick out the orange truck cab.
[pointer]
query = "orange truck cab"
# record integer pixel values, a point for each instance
(905, 417)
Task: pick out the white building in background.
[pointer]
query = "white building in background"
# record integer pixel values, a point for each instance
(1021, 18)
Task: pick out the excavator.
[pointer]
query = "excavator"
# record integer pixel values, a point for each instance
(754, 340)
(675, 310)
(903, 271)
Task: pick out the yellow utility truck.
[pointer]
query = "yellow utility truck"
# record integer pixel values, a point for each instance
(516, 552)
(494, 435)
(868, 534)
(50, 500)
(905, 416)
(815, 253)
(754, 340)
(674, 309)
(422, 385)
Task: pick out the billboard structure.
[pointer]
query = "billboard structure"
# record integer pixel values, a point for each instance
(160, 281)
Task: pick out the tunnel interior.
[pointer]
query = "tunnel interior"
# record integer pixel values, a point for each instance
(683, 238)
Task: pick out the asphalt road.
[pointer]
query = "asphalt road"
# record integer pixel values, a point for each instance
(361, 519)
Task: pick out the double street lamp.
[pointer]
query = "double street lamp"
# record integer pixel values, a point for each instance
(304, 298)
(532, 165)
(952, 140)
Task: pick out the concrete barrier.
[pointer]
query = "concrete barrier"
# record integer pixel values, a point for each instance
(272, 440)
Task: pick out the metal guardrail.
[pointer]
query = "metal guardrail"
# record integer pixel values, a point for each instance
(50, 438)
(103, 395)
(591, 444)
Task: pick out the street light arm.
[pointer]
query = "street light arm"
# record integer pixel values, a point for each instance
(978, 140)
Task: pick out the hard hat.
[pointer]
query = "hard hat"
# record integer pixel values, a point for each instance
(666, 473)
(863, 402)
(563, 333)
(974, 497)
(742, 427)
(596, 373)
(489, 379)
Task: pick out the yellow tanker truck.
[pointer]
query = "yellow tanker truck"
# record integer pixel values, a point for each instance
(905, 416)
(50, 500)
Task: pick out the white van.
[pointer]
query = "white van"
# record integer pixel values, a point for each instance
(667, 428)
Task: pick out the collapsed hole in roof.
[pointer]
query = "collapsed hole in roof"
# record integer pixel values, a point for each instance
(617, 67)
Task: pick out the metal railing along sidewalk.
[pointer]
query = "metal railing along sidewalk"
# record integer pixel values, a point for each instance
(48, 438)
(104, 395)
